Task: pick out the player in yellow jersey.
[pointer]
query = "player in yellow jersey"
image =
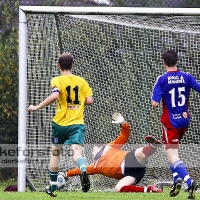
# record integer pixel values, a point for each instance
(71, 94)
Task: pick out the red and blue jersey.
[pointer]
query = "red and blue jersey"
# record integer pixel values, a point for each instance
(173, 88)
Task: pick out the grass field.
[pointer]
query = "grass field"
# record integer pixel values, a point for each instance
(89, 195)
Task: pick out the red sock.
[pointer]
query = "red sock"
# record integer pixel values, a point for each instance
(149, 150)
(149, 188)
(132, 188)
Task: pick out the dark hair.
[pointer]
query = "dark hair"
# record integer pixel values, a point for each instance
(65, 61)
(170, 57)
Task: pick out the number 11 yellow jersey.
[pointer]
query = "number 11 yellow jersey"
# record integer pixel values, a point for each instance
(73, 91)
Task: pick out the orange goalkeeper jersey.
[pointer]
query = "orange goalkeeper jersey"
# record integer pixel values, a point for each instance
(109, 164)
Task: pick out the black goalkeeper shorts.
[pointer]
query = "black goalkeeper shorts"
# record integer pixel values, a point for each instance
(133, 168)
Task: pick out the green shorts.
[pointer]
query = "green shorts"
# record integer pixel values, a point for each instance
(73, 134)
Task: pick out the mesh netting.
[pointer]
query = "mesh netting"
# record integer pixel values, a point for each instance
(120, 57)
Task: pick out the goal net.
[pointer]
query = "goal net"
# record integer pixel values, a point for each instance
(120, 57)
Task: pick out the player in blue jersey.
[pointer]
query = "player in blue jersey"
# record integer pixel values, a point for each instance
(173, 88)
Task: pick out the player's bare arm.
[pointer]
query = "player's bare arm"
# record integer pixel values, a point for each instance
(50, 99)
(89, 100)
(154, 103)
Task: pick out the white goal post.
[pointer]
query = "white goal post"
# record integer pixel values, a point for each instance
(23, 11)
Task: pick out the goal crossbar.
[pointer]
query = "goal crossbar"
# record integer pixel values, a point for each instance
(109, 10)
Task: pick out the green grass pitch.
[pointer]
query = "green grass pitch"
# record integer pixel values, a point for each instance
(69, 195)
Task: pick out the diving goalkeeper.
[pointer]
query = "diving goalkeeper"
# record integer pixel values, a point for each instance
(128, 167)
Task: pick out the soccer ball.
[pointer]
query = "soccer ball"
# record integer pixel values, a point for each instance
(60, 182)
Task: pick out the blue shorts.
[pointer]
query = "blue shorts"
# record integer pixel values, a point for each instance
(73, 134)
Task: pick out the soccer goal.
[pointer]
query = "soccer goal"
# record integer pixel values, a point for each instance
(118, 51)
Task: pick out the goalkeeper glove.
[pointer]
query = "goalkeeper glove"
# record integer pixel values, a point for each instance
(117, 118)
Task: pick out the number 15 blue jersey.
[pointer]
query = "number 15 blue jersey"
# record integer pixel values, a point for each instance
(173, 88)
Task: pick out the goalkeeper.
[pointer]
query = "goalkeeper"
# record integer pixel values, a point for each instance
(127, 167)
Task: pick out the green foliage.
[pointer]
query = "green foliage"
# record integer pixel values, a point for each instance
(8, 74)
(8, 174)
(192, 4)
